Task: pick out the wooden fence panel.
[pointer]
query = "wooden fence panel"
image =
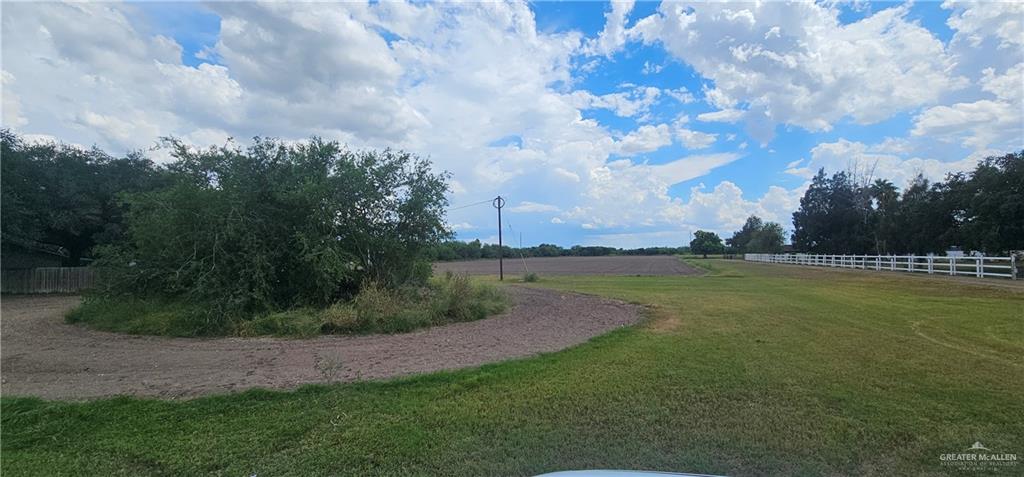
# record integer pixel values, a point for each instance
(48, 280)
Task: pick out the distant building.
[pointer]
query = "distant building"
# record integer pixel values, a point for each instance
(954, 251)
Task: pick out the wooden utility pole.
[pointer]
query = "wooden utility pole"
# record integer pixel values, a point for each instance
(498, 204)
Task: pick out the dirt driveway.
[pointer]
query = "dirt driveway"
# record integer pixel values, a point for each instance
(42, 356)
(616, 265)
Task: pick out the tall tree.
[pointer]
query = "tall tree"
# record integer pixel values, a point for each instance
(811, 232)
(66, 196)
(989, 203)
(706, 242)
(886, 201)
(757, 236)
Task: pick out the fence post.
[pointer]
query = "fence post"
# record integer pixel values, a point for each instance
(930, 265)
(977, 267)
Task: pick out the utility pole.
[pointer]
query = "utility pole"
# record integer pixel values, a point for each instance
(498, 203)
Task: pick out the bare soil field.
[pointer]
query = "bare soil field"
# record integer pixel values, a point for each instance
(43, 356)
(615, 265)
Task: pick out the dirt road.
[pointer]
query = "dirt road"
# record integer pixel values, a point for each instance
(617, 265)
(42, 356)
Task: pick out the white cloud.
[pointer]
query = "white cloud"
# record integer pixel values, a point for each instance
(631, 103)
(724, 210)
(651, 68)
(692, 139)
(695, 139)
(92, 73)
(533, 207)
(613, 36)
(974, 21)
(796, 63)
(873, 161)
(986, 125)
(722, 116)
(623, 194)
(681, 94)
(646, 138)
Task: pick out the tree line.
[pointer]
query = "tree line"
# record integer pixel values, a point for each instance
(980, 210)
(474, 249)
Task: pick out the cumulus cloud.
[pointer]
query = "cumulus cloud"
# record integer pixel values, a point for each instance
(646, 138)
(423, 77)
(723, 209)
(796, 63)
(987, 125)
(880, 161)
(613, 36)
(974, 21)
(634, 102)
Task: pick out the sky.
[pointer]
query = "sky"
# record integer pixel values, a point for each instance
(621, 124)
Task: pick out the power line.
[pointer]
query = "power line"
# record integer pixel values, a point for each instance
(470, 205)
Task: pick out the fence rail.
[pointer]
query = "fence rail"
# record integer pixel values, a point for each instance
(981, 267)
(47, 280)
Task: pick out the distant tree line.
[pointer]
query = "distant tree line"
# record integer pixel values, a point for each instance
(980, 210)
(472, 250)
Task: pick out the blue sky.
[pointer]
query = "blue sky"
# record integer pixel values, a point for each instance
(616, 124)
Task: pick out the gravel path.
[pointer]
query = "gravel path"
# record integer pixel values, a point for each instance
(612, 265)
(42, 356)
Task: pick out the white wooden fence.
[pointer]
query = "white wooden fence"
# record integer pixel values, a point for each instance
(48, 280)
(982, 267)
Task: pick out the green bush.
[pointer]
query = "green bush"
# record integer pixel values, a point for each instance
(530, 277)
(277, 227)
(375, 309)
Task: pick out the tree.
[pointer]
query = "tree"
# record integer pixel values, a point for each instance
(706, 242)
(979, 210)
(768, 239)
(66, 196)
(276, 226)
(989, 204)
(757, 236)
(742, 237)
(834, 216)
(885, 199)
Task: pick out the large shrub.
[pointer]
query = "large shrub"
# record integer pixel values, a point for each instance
(277, 226)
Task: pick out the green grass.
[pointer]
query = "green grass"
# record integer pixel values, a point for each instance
(751, 370)
(445, 299)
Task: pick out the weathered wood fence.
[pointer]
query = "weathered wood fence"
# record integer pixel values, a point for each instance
(981, 267)
(47, 280)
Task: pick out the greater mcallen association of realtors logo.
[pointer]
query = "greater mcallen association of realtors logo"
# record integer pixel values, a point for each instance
(978, 457)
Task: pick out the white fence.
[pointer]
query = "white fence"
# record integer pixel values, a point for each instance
(982, 267)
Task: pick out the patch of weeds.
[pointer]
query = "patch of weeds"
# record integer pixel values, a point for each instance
(531, 277)
(376, 309)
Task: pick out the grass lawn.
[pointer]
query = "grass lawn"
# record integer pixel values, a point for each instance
(753, 370)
